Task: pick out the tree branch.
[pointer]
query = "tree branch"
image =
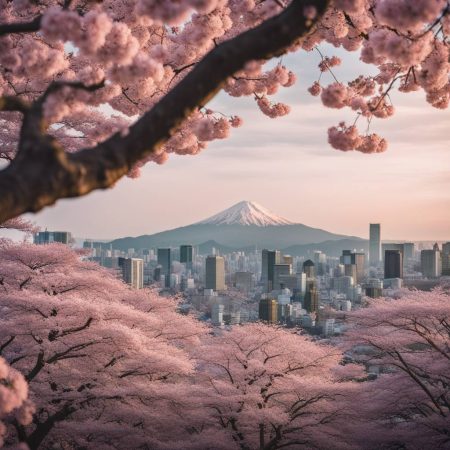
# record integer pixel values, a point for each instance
(43, 172)
(10, 103)
(21, 27)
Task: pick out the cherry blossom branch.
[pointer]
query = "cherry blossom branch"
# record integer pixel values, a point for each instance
(43, 172)
(10, 103)
(21, 27)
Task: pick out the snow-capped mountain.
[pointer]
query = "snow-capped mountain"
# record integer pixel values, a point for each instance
(246, 213)
(244, 225)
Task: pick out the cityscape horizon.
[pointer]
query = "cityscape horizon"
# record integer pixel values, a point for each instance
(201, 217)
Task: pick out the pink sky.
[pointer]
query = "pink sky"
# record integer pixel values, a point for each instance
(287, 166)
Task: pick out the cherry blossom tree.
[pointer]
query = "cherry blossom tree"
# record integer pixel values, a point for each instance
(90, 91)
(13, 398)
(408, 340)
(101, 360)
(272, 388)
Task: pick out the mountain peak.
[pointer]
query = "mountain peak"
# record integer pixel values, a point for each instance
(246, 213)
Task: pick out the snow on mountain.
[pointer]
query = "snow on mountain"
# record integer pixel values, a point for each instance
(246, 213)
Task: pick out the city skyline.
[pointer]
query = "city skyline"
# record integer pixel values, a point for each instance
(363, 235)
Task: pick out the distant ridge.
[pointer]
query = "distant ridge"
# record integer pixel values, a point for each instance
(244, 225)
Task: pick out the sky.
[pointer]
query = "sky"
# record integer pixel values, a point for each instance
(287, 166)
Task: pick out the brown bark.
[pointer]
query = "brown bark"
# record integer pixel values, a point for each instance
(43, 172)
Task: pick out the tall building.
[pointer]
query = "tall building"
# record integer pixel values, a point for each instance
(269, 259)
(309, 269)
(320, 262)
(133, 272)
(353, 265)
(288, 259)
(446, 248)
(268, 310)
(164, 260)
(244, 281)
(311, 301)
(215, 273)
(350, 271)
(47, 237)
(393, 264)
(186, 255)
(409, 249)
(430, 261)
(375, 244)
(446, 259)
(278, 271)
(294, 282)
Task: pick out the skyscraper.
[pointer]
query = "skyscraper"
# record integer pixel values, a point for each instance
(393, 264)
(268, 310)
(269, 259)
(409, 251)
(164, 260)
(311, 302)
(309, 269)
(375, 244)
(215, 273)
(278, 271)
(133, 272)
(186, 255)
(431, 263)
(353, 264)
(446, 259)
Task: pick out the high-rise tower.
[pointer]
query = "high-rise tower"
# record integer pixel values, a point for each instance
(215, 273)
(269, 259)
(164, 260)
(375, 244)
(393, 264)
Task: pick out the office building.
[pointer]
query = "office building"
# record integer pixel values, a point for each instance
(244, 281)
(320, 262)
(48, 237)
(393, 264)
(446, 248)
(309, 269)
(186, 253)
(164, 260)
(268, 310)
(278, 271)
(431, 263)
(393, 246)
(269, 259)
(353, 265)
(375, 244)
(296, 283)
(133, 271)
(311, 301)
(288, 259)
(446, 259)
(409, 251)
(215, 273)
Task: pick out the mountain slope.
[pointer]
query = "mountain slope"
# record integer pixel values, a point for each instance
(246, 213)
(243, 225)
